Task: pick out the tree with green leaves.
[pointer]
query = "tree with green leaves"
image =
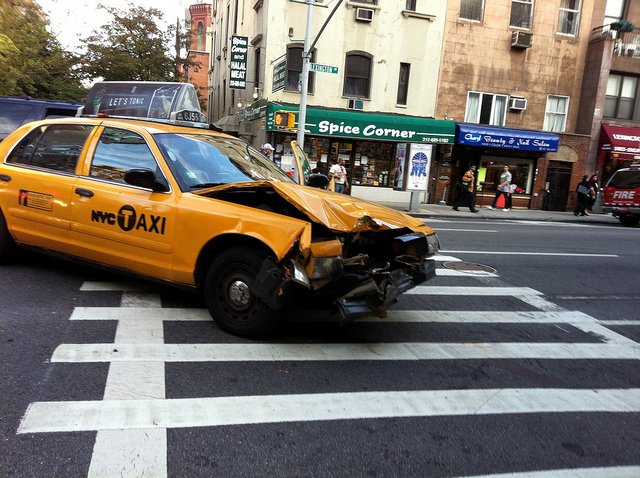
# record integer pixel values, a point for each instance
(132, 47)
(32, 61)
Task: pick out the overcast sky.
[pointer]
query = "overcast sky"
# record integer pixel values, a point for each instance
(72, 19)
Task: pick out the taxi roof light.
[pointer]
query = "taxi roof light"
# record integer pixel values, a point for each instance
(165, 102)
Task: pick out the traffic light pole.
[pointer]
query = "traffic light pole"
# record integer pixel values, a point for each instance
(306, 60)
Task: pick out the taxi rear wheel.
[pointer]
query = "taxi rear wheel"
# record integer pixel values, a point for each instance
(7, 244)
(230, 294)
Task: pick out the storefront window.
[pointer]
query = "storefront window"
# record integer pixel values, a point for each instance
(372, 163)
(492, 167)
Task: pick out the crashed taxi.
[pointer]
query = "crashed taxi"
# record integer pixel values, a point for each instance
(169, 199)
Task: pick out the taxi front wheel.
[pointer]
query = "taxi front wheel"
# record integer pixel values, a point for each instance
(230, 295)
(7, 244)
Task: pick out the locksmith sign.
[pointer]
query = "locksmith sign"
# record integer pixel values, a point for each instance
(238, 64)
(342, 124)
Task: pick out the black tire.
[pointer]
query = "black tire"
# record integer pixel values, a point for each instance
(629, 220)
(230, 297)
(8, 246)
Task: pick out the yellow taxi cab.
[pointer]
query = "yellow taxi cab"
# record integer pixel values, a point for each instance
(169, 199)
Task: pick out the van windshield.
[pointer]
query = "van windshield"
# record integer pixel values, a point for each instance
(625, 180)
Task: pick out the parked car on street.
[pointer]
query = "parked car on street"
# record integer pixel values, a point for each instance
(16, 111)
(166, 198)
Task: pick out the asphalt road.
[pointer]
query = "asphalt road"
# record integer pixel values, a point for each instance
(531, 368)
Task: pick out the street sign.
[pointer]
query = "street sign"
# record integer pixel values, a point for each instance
(279, 76)
(323, 68)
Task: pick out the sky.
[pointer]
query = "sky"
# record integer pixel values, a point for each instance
(72, 19)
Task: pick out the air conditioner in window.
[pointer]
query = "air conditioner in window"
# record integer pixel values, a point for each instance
(521, 39)
(354, 104)
(364, 14)
(518, 104)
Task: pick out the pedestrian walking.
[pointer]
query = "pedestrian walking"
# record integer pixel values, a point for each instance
(595, 188)
(584, 191)
(504, 188)
(466, 190)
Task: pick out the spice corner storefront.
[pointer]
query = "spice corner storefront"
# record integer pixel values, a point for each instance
(491, 148)
(377, 148)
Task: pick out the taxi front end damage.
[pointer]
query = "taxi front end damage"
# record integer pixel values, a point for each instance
(355, 255)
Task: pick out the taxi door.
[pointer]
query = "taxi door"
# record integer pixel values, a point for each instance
(116, 223)
(37, 183)
(301, 167)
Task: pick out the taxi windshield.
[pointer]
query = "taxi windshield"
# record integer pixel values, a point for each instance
(202, 161)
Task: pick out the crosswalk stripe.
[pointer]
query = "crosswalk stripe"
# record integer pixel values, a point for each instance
(473, 291)
(424, 316)
(454, 273)
(220, 411)
(611, 472)
(334, 352)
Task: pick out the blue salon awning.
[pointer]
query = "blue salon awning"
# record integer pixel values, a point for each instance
(508, 138)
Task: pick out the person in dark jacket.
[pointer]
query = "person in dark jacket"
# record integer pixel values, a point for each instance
(584, 190)
(593, 182)
(467, 191)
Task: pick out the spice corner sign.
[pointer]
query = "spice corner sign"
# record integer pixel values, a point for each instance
(238, 64)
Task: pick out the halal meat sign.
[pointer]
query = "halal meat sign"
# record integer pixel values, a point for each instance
(238, 64)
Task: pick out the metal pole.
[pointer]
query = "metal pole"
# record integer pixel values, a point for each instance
(306, 54)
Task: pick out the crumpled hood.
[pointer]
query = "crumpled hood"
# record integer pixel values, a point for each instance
(338, 212)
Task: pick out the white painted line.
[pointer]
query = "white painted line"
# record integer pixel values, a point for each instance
(442, 258)
(483, 317)
(620, 322)
(129, 453)
(140, 314)
(333, 352)
(500, 291)
(119, 286)
(455, 273)
(512, 253)
(136, 298)
(463, 230)
(611, 472)
(223, 411)
(135, 381)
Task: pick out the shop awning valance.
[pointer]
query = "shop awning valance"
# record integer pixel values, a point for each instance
(508, 138)
(369, 126)
(620, 140)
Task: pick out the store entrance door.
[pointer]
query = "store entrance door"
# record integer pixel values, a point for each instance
(559, 184)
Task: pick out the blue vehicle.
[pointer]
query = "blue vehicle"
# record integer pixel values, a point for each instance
(16, 111)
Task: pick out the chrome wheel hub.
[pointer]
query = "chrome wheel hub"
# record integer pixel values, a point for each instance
(239, 294)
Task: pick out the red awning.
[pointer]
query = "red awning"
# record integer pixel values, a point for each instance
(620, 141)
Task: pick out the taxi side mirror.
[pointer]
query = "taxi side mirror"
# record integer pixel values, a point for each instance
(145, 178)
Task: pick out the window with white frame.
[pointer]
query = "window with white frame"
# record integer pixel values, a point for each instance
(472, 10)
(403, 84)
(411, 5)
(486, 108)
(620, 98)
(555, 116)
(294, 69)
(522, 14)
(569, 19)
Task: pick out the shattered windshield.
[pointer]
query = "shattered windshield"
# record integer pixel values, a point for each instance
(201, 161)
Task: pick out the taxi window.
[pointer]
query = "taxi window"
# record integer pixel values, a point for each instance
(118, 151)
(55, 147)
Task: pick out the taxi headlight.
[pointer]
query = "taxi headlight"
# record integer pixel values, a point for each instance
(433, 242)
(326, 266)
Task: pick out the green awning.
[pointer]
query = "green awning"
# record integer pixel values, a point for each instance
(368, 126)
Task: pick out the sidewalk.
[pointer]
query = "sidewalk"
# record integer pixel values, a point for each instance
(438, 211)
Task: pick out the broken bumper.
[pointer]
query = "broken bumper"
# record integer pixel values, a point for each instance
(372, 297)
